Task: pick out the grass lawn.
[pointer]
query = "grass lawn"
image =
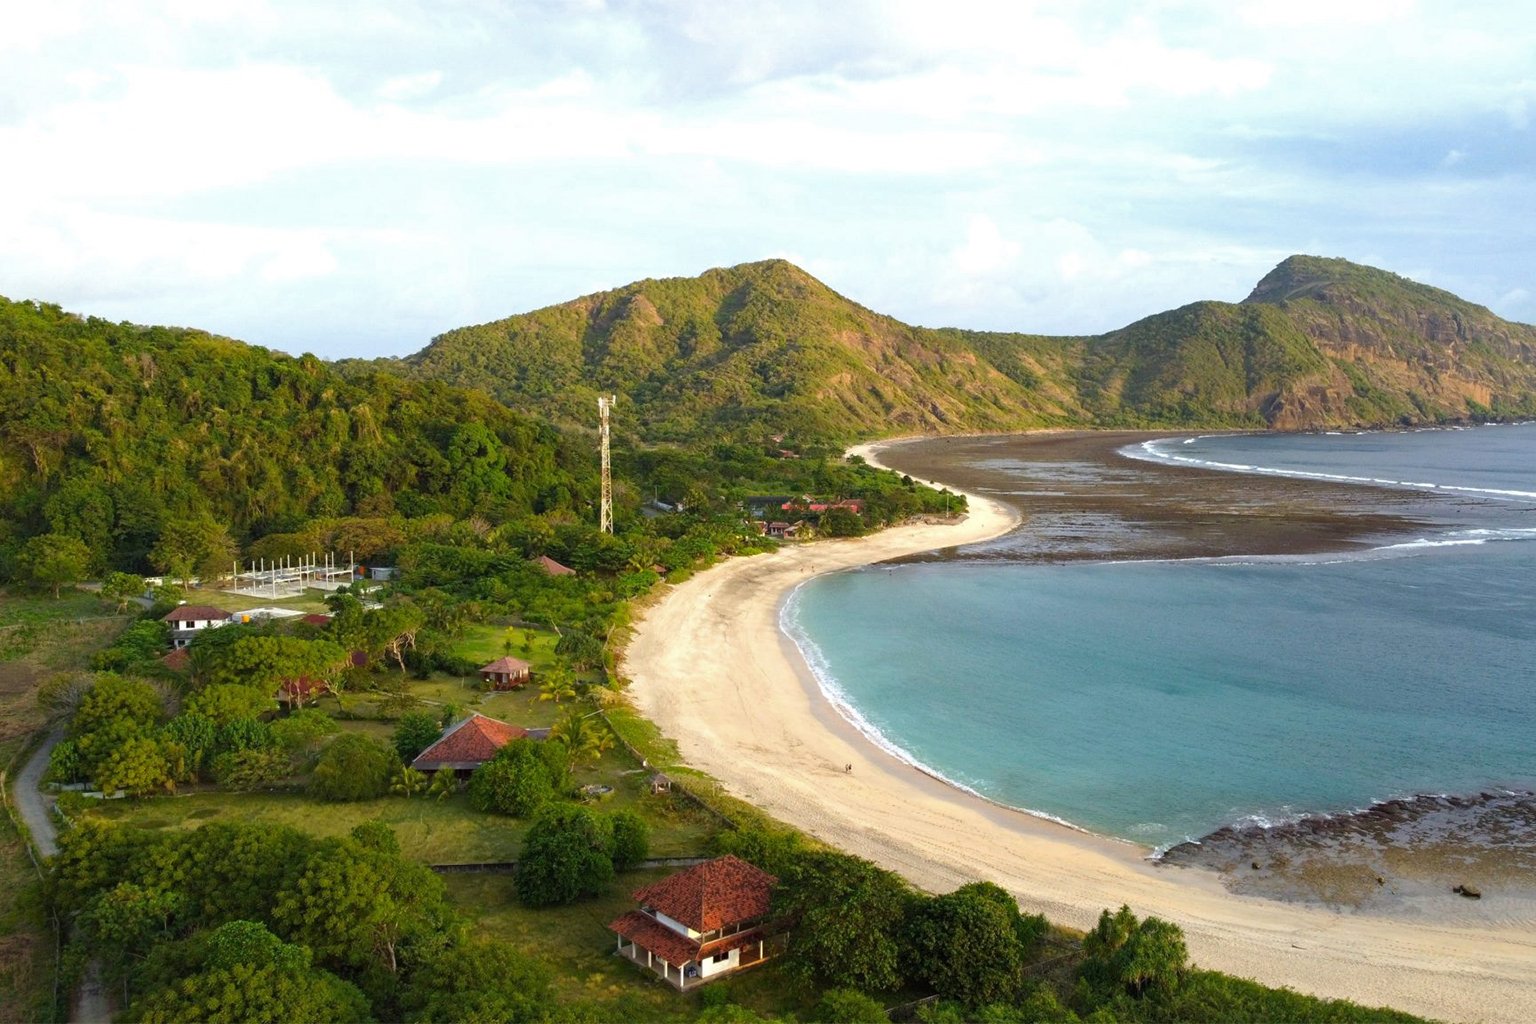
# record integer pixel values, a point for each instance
(432, 831)
(40, 637)
(485, 643)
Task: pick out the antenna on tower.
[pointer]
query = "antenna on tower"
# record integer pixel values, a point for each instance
(605, 508)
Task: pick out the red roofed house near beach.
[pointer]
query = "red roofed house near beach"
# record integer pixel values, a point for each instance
(467, 745)
(553, 567)
(701, 923)
(187, 619)
(506, 673)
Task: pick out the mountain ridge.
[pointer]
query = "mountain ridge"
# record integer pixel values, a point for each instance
(766, 348)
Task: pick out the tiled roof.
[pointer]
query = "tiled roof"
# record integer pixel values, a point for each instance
(650, 934)
(315, 619)
(513, 666)
(553, 567)
(302, 688)
(711, 895)
(675, 949)
(177, 660)
(189, 612)
(468, 743)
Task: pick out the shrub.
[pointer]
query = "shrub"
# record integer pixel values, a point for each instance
(244, 770)
(415, 732)
(564, 857)
(353, 767)
(631, 839)
(302, 728)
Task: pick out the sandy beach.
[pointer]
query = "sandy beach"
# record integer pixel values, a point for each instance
(710, 666)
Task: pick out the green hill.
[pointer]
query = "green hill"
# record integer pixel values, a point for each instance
(130, 434)
(764, 348)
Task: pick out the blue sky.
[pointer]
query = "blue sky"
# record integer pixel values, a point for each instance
(353, 178)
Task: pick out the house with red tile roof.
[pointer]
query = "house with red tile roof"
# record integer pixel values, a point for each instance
(187, 619)
(178, 660)
(701, 923)
(507, 673)
(466, 745)
(553, 567)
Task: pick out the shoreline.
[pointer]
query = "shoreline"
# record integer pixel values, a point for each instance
(756, 719)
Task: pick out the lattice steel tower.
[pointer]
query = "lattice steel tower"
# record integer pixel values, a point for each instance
(605, 509)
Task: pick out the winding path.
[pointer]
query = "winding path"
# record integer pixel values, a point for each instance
(90, 1004)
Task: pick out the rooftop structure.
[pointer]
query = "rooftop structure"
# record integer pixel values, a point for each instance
(468, 744)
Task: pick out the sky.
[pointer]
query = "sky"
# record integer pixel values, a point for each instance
(351, 179)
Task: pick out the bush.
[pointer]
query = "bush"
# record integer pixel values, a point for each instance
(631, 839)
(226, 702)
(353, 767)
(302, 728)
(520, 779)
(564, 857)
(848, 1006)
(244, 770)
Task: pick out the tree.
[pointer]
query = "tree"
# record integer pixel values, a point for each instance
(443, 784)
(393, 630)
(584, 738)
(114, 698)
(225, 702)
(415, 732)
(966, 945)
(631, 839)
(302, 728)
(523, 776)
(1136, 956)
(136, 766)
(376, 835)
(848, 917)
(120, 589)
(245, 770)
(53, 559)
(247, 992)
(357, 907)
(408, 781)
(565, 856)
(558, 685)
(353, 767)
(478, 981)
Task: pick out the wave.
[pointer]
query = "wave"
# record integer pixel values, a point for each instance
(833, 693)
(1149, 451)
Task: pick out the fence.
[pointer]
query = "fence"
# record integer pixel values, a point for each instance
(677, 786)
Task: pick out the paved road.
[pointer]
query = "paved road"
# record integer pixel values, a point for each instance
(90, 1004)
(35, 808)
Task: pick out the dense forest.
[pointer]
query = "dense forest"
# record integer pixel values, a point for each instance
(764, 348)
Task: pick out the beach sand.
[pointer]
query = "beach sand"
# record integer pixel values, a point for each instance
(709, 665)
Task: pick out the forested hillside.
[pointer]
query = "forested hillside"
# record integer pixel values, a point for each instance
(130, 437)
(764, 349)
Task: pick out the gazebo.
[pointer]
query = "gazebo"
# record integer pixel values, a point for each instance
(507, 673)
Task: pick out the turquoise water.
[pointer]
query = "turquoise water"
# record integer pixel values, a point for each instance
(1157, 701)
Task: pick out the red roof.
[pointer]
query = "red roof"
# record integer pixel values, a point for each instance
(553, 567)
(468, 744)
(190, 612)
(715, 894)
(675, 949)
(314, 619)
(177, 660)
(509, 665)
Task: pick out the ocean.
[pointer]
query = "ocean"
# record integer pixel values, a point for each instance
(1158, 700)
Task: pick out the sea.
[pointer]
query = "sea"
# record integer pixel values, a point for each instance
(1157, 701)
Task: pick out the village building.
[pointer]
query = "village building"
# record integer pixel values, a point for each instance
(301, 691)
(188, 620)
(553, 567)
(466, 745)
(507, 673)
(700, 924)
(178, 660)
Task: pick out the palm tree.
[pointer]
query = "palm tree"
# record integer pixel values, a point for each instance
(585, 740)
(408, 781)
(443, 784)
(557, 686)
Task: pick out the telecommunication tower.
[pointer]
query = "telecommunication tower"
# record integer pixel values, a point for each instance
(605, 509)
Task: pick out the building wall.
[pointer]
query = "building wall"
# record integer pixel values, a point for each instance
(708, 967)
